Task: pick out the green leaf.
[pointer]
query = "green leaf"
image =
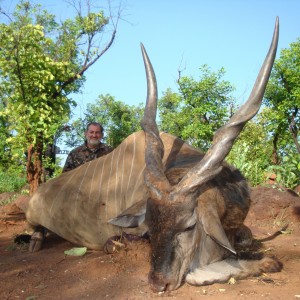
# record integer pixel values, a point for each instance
(77, 251)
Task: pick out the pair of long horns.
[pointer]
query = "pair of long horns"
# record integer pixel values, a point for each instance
(223, 139)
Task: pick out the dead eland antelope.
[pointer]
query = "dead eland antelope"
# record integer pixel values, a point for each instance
(192, 205)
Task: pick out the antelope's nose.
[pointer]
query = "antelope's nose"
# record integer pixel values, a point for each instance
(158, 282)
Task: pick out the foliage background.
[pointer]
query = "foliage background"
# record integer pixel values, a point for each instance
(200, 104)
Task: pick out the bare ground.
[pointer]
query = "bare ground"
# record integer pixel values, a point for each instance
(50, 274)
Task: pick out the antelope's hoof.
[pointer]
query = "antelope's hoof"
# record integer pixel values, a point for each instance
(36, 242)
(113, 244)
(270, 265)
(117, 242)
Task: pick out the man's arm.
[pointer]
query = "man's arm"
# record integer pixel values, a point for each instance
(69, 164)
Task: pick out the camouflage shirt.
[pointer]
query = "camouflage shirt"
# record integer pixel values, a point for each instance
(83, 154)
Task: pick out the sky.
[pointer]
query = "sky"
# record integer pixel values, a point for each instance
(234, 34)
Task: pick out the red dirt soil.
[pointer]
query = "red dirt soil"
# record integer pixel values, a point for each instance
(50, 274)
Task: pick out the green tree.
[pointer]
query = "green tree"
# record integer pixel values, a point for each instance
(118, 119)
(41, 63)
(170, 107)
(252, 151)
(200, 108)
(5, 153)
(282, 97)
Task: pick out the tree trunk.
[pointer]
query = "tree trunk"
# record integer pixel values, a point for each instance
(275, 158)
(294, 130)
(295, 138)
(34, 167)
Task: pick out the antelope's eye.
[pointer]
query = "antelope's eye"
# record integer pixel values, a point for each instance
(190, 228)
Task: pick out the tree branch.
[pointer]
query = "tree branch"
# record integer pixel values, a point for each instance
(85, 67)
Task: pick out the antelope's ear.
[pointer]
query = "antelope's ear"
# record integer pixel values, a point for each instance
(132, 217)
(213, 227)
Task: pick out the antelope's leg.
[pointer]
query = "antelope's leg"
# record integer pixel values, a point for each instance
(37, 239)
(116, 242)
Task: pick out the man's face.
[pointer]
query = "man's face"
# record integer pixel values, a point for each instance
(93, 135)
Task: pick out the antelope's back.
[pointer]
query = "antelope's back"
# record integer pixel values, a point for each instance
(77, 204)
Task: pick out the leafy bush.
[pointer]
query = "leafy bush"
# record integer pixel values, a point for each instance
(288, 173)
(11, 182)
(251, 169)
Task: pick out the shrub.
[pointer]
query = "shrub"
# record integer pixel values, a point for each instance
(11, 181)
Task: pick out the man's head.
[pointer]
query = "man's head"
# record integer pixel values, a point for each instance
(93, 134)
